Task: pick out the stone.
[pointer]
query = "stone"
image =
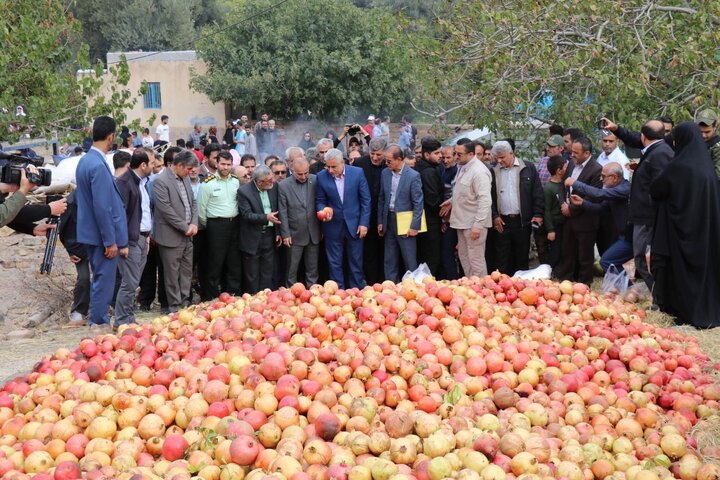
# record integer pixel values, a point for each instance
(20, 334)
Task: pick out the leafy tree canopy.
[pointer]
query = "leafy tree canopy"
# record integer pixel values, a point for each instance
(325, 56)
(40, 58)
(503, 61)
(146, 25)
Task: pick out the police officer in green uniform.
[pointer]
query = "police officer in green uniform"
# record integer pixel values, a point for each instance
(218, 213)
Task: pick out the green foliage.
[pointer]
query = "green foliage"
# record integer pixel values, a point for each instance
(325, 56)
(146, 25)
(493, 61)
(40, 58)
(415, 9)
(37, 65)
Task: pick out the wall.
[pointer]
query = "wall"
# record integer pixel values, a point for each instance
(184, 106)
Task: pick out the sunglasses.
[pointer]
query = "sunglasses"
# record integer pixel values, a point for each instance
(281, 172)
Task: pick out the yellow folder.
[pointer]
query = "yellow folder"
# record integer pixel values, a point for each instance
(404, 220)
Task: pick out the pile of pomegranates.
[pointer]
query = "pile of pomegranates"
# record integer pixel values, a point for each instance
(478, 379)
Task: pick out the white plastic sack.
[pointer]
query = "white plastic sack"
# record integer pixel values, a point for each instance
(541, 272)
(419, 274)
(615, 281)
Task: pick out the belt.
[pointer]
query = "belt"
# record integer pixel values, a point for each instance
(145, 234)
(266, 229)
(516, 215)
(222, 219)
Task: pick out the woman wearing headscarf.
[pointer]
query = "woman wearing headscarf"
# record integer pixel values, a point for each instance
(685, 255)
(306, 141)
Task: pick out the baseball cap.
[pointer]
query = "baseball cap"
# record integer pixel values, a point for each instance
(371, 118)
(707, 117)
(556, 141)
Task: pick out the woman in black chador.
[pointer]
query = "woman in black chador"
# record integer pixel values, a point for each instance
(686, 246)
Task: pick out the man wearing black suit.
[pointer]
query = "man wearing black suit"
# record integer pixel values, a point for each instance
(258, 207)
(656, 154)
(374, 248)
(581, 226)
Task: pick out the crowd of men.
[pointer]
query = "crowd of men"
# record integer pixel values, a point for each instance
(194, 223)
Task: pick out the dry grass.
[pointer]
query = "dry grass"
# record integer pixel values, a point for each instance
(707, 435)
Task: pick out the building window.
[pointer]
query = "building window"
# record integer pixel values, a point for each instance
(152, 96)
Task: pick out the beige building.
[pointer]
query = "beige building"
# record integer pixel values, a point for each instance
(169, 93)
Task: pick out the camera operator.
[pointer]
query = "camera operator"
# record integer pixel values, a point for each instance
(351, 130)
(21, 217)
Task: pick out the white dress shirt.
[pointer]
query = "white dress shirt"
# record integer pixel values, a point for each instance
(577, 170)
(146, 219)
(618, 156)
(509, 192)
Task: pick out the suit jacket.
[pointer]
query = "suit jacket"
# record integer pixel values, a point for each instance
(408, 197)
(373, 174)
(472, 197)
(297, 212)
(101, 215)
(129, 186)
(652, 163)
(170, 226)
(580, 219)
(433, 191)
(351, 213)
(253, 219)
(68, 229)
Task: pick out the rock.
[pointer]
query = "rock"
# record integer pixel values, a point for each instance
(19, 334)
(38, 317)
(32, 241)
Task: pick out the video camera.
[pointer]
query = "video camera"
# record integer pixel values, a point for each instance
(11, 165)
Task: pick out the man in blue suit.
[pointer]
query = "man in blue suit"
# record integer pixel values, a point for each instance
(344, 189)
(101, 222)
(401, 191)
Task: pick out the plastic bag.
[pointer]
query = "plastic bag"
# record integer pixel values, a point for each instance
(541, 272)
(615, 281)
(419, 274)
(639, 292)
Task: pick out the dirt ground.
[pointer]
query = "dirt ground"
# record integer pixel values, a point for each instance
(34, 308)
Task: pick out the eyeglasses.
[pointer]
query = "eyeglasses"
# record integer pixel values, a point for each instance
(280, 172)
(602, 176)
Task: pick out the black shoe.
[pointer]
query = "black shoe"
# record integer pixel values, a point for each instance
(144, 308)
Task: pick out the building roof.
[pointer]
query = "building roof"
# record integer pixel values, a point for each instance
(176, 56)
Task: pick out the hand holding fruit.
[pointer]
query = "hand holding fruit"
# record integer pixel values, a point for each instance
(325, 215)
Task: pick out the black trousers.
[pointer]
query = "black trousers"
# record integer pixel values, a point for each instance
(151, 281)
(81, 292)
(607, 233)
(199, 266)
(491, 250)
(279, 278)
(512, 246)
(257, 269)
(555, 247)
(542, 244)
(448, 258)
(223, 269)
(374, 256)
(578, 255)
(428, 248)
